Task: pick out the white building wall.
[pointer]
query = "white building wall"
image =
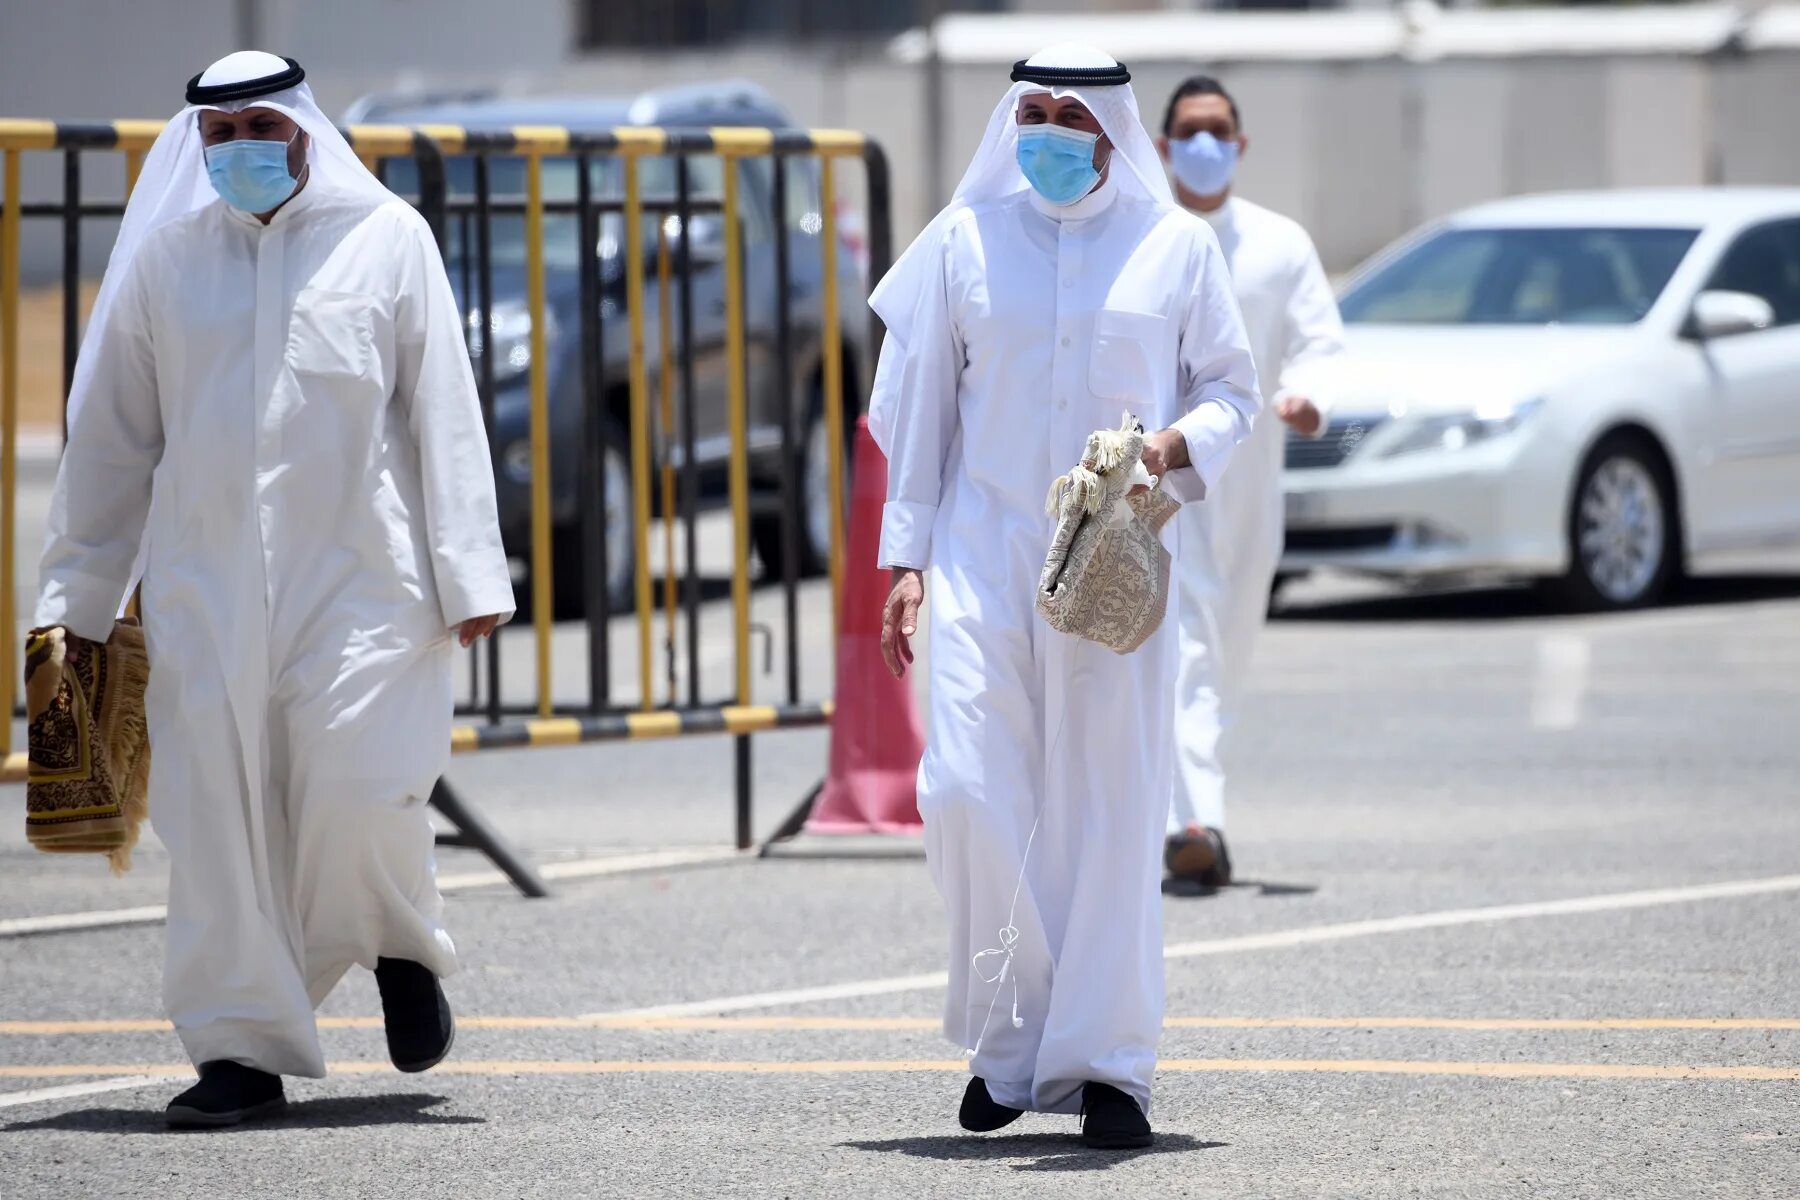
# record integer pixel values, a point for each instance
(1357, 149)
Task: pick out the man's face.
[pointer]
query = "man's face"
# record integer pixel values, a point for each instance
(1041, 108)
(1203, 114)
(255, 124)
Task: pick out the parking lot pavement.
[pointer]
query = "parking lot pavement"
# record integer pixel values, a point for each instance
(1516, 916)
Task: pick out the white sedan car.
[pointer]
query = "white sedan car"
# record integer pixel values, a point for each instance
(1596, 390)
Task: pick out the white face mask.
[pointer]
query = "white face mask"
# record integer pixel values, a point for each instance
(1203, 164)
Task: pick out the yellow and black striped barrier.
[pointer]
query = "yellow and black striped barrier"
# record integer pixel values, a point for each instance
(734, 719)
(133, 139)
(429, 146)
(538, 733)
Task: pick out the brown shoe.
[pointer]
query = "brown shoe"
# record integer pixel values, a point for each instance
(1198, 854)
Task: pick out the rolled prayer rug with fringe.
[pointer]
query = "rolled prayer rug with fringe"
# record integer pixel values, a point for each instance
(87, 788)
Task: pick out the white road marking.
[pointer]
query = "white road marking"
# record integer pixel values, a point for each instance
(69, 1091)
(105, 918)
(829, 991)
(580, 868)
(1574, 906)
(591, 868)
(1278, 940)
(1561, 681)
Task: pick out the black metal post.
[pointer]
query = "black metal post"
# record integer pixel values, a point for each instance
(690, 499)
(594, 549)
(465, 265)
(744, 815)
(881, 234)
(474, 833)
(484, 269)
(71, 314)
(791, 464)
(434, 186)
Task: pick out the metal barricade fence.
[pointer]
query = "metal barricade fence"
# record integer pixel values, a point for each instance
(451, 175)
(132, 139)
(617, 282)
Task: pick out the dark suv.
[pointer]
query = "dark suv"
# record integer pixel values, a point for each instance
(510, 322)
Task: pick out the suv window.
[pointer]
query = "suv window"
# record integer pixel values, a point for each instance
(1765, 261)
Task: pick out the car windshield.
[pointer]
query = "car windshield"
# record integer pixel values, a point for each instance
(1520, 277)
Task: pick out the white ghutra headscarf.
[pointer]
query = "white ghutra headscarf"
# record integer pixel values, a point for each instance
(173, 182)
(1103, 87)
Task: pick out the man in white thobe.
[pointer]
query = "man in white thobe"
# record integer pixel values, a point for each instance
(1232, 544)
(1061, 287)
(274, 401)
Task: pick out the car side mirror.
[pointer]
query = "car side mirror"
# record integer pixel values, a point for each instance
(1718, 314)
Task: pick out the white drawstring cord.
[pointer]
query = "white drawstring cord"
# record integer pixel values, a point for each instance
(1009, 933)
(1009, 938)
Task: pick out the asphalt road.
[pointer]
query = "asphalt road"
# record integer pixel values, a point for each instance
(1518, 917)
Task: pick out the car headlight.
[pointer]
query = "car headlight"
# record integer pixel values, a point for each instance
(1458, 430)
(510, 327)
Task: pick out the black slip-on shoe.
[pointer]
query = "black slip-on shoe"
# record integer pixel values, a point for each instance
(228, 1093)
(420, 1027)
(1199, 855)
(981, 1113)
(1111, 1120)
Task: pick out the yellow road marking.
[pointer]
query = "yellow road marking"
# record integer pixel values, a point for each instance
(909, 1024)
(1483, 1023)
(1365, 1066)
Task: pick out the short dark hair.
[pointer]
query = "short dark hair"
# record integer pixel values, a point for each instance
(1199, 85)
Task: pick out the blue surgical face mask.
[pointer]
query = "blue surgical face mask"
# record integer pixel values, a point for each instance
(1058, 162)
(251, 174)
(1203, 164)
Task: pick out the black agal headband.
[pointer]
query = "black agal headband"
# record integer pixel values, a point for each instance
(1024, 72)
(246, 89)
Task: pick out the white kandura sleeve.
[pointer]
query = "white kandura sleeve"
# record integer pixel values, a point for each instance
(1218, 379)
(1314, 328)
(436, 388)
(102, 495)
(916, 397)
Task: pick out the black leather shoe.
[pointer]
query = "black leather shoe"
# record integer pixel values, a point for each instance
(228, 1093)
(420, 1027)
(980, 1113)
(1111, 1120)
(1198, 855)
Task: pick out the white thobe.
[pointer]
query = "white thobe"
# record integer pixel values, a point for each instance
(298, 399)
(1231, 545)
(1048, 766)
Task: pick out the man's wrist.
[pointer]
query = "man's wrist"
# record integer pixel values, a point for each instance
(1175, 453)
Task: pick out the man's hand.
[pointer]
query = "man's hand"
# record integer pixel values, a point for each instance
(1164, 452)
(1301, 415)
(900, 619)
(476, 628)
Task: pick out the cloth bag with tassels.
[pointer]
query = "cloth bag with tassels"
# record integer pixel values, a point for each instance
(1106, 577)
(87, 789)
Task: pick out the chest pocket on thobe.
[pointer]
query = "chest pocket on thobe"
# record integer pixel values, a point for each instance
(333, 334)
(1123, 363)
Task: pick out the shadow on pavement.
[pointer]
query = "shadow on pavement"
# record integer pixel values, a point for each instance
(342, 1112)
(1525, 603)
(1187, 889)
(1048, 1152)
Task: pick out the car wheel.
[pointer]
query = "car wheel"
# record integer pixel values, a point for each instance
(570, 550)
(813, 471)
(1623, 529)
